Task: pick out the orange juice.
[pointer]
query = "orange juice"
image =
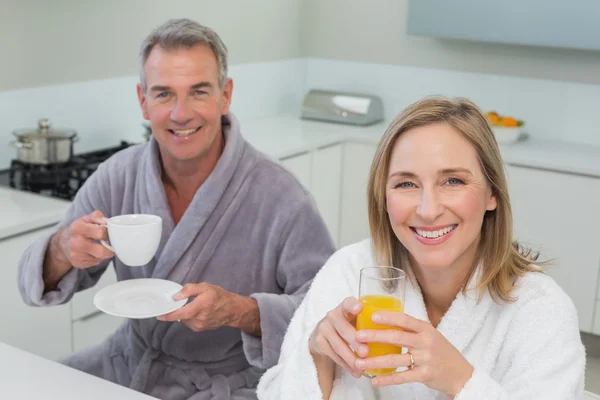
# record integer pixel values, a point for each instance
(370, 305)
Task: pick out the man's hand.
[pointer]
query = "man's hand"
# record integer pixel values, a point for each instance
(74, 246)
(214, 307)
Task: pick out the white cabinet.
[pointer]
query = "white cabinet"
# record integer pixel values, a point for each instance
(82, 304)
(300, 166)
(354, 223)
(93, 329)
(91, 326)
(557, 214)
(319, 171)
(326, 183)
(596, 328)
(45, 331)
(336, 176)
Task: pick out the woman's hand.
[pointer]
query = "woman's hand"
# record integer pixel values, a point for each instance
(437, 363)
(335, 336)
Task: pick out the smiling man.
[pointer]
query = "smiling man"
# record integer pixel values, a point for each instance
(239, 232)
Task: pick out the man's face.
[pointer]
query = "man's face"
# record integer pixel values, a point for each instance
(184, 102)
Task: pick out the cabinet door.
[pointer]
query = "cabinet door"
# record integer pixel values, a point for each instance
(82, 304)
(93, 329)
(326, 183)
(557, 214)
(354, 224)
(45, 331)
(300, 166)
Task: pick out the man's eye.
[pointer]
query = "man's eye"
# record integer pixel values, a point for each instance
(199, 92)
(162, 95)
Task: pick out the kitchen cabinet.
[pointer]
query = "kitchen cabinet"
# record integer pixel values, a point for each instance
(336, 176)
(45, 331)
(94, 329)
(82, 304)
(354, 223)
(596, 328)
(557, 214)
(89, 325)
(326, 183)
(300, 166)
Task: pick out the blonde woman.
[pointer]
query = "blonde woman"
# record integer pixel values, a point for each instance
(481, 320)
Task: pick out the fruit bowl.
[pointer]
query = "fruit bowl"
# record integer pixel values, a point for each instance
(506, 135)
(506, 129)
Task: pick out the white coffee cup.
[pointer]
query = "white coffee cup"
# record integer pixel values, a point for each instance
(134, 238)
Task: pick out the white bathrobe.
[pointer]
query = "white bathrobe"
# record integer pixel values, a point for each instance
(529, 349)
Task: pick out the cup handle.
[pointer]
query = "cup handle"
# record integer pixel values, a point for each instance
(105, 243)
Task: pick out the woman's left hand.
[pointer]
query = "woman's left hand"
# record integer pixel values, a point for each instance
(437, 363)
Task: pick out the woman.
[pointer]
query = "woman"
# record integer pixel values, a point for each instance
(481, 321)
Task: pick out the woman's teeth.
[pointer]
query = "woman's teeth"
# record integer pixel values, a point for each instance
(435, 234)
(184, 132)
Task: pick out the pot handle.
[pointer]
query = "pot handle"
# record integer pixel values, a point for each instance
(21, 145)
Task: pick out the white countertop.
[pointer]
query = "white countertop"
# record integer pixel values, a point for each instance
(23, 211)
(286, 135)
(26, 376)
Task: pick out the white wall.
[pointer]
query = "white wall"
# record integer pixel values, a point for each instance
(552, 110)
(374, 31)
(62, 41)
(106, 111)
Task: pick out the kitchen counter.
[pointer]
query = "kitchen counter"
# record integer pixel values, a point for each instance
(27, 376)
(23, 211)
(286, 135)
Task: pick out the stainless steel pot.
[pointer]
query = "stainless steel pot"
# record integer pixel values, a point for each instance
(44, 145)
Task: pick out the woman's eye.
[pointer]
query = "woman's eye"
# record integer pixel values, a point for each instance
(454, 181)
(404, 185)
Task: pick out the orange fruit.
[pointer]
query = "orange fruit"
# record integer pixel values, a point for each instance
(510, 122)
(493, 118)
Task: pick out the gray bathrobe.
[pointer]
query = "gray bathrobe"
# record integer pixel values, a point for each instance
(251, 228)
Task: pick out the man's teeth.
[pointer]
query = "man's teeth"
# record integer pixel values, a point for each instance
(435, 234)
(184, 132)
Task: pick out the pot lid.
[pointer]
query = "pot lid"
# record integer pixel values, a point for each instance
(44, 129)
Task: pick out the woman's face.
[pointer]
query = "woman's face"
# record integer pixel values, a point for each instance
(437, 196)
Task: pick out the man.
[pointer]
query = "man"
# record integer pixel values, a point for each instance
(239, 232)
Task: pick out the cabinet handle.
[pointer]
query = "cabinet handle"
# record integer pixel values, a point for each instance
(88, 316)
(329, 145)
(293, 155)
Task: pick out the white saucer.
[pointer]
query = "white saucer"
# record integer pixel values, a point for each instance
(139, 298)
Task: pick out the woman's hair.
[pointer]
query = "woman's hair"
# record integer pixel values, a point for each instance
(503, 259)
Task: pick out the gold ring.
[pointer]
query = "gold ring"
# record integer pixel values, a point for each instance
(412, 361)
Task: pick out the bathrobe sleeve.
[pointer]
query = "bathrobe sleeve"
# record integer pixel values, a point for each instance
(295, 375)
(92, 196)
(305, 247)
(549, 359)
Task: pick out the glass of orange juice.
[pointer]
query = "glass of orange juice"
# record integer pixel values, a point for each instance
(380, 289)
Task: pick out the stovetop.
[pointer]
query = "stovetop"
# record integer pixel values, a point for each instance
(57, 180)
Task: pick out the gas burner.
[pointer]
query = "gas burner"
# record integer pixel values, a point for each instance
(59, 180)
